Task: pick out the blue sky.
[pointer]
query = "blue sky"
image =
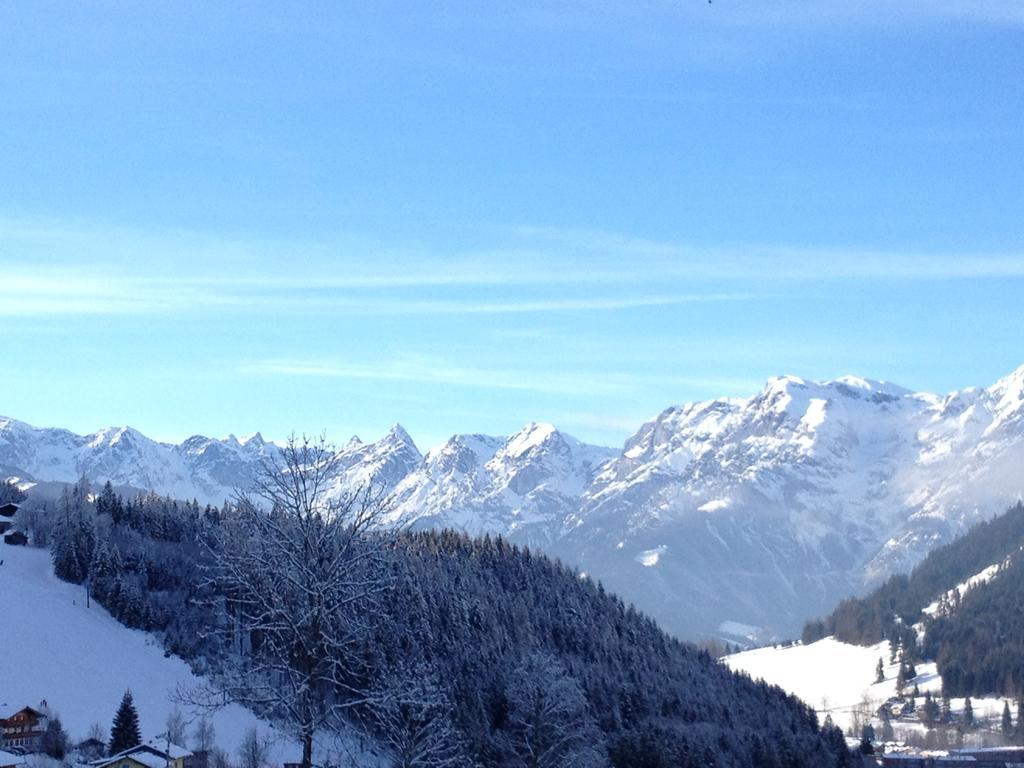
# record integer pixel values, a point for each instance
(466, 216)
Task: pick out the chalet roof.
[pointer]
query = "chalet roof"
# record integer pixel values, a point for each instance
(154, 753)
(148, 759)
(6, 759)
(169, 748)
(23, 710)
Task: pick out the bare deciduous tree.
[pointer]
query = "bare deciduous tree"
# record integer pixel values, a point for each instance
(253, 751)
(412, 717)
(298, 567)
(549, 725)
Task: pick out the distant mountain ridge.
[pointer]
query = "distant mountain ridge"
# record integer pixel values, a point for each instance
(760, 511)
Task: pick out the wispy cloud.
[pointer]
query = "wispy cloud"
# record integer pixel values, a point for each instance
(422, 370)
(60, 292)
(666, 259)
(431, 372)
(55, 269)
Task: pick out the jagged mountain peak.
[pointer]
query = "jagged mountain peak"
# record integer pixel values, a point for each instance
(397, 433)
(530, 437)
(1009, 391)
(113, 436)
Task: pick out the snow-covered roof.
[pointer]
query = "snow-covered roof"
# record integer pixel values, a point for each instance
(154, 753)
(6, 758)
(146, 758)
(169, 748)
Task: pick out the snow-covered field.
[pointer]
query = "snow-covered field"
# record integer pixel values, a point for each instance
(80, 660)
(838, 679)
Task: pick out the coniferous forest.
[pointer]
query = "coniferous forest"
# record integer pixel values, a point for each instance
(477, 629)
(977, 637)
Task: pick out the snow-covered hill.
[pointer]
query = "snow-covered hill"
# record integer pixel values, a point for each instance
(761, 511)
(81, 661)
(839, 680)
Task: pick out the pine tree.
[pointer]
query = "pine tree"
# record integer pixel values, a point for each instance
(930, 711)
(1007, 720)
(887, 732)
(125, 732)
(55, 740)
(880, 671)
(1019, 733)
(968, 716)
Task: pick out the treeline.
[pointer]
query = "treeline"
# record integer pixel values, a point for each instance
(979, 647)
(889, 611)
(976, 638)
(474, 629)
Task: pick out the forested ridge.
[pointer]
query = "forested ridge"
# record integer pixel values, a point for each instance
(482, 628)
(976, 638)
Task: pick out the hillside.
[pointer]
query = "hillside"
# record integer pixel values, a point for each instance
(474, 616)
(890, 610)
(752, 513)
(962, 607)
(840, 681)
(81, 660)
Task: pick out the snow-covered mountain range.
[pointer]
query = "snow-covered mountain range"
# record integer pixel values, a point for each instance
(760, 511)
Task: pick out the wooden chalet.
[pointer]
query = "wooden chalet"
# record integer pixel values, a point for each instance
(24, 729)
(91, 749)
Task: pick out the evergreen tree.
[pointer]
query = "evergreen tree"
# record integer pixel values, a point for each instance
(866, 747)
(968, 716)
(55, 740)
(125, 732)
(930, 711)
(887, 732)
(1007, 720)
(11, 493)
(880, 671)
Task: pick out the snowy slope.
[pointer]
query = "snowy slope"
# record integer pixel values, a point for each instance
(838, 679)
(81, 661)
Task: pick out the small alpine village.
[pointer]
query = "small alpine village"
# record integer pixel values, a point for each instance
(34, 737)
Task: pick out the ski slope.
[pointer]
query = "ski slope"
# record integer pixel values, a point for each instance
(81, 660)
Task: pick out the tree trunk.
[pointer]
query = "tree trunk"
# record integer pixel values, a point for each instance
(307, 748)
